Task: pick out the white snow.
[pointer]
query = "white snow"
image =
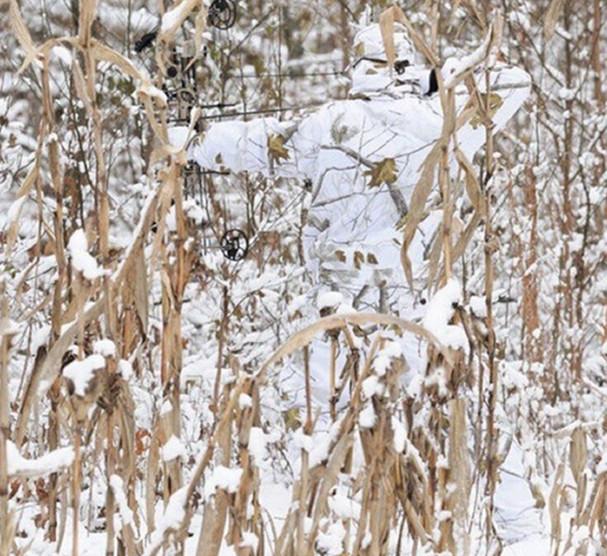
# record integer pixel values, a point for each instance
(320, 448)
(171, 520)
(225, 478)
(371, 386)
(367, 417)
(257, 445)
(478, 306)
(329, 300)
(400, 435)
(343, 506)
(302, 441)
(105, 347)
(172, 449)
(193, 211)
(245, 401)
(126, 514)
(40, 337)
(440, 312)
(125, 369)
(82, 261)
(384, 358)
(49, 463)
(178, 136)
(331, 542)
(172, 19)
(81, 372)
(249, 540)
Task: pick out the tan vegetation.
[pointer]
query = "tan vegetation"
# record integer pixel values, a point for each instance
(532, 226)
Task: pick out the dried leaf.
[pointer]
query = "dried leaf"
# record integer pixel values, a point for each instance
(23, 35)
(382, 172)
(495, 102)
(473, 186)
(552, 15)
(276, 148)
(359, 258)
(386, 21)
(578, 453)
(305, 336)
(386, 25)
(417, 204)
(174, 18)
(371, 258)
(17, 206)
(85, 21)
(291, 419)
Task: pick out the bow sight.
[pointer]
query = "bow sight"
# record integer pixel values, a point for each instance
(182, 69)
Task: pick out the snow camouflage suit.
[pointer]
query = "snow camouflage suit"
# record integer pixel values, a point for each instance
(351, 239)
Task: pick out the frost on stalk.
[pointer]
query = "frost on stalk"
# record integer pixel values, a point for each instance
(80, 373)
(478, 306)
(245, 401)
(54, 461)
(391, 351)
(331, 542)
(172, 449)
(105, 347)
(126, 514)
(249, 540)
(82, 261)
(371, 386)
(225, 478)
(367, 417)
(172, 519)
(329, 300)
(257, 445)
(400, 435)
(343, 506)
(440, 312)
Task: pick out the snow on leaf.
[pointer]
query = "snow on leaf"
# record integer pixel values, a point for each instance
(224, 478)
(367, 417)
(172, 449)
(249, 540)
(82, 371)
(257, 445)
(440, 312)
(105, 347)
(174, 515)
(126, 514)
(82, 261)
(49, 463)
(329, 299)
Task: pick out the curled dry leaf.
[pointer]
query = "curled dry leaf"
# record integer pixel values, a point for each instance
(552, 16)
(276, 148)
(494, 102)
(382, 172)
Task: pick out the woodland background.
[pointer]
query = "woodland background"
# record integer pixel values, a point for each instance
(81, 149)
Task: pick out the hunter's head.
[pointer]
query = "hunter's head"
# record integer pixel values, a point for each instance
(370, 68)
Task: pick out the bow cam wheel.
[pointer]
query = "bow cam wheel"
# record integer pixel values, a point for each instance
(234, 245)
